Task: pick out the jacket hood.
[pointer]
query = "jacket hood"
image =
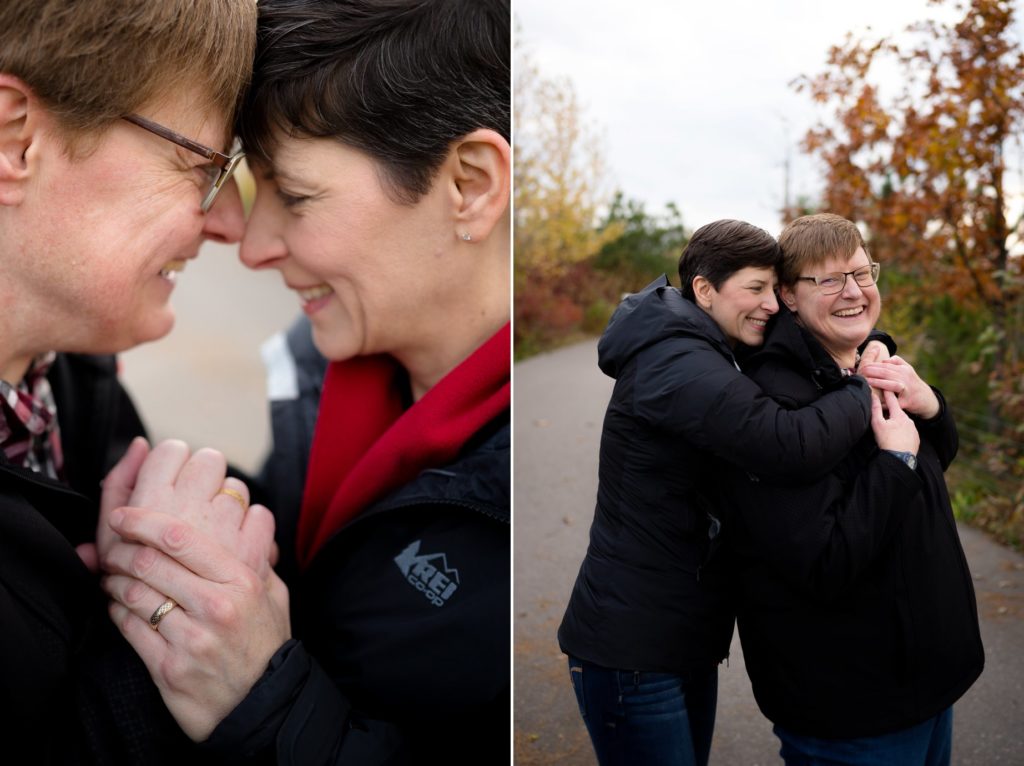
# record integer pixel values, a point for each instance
(656, 313)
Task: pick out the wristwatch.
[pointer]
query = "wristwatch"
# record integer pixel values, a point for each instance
(907, 457)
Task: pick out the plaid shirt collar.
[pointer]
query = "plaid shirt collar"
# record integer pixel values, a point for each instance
(29, 434)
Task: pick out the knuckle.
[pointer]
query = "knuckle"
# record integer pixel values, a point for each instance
(143, 561)
(171, 446)
(173, 669)
(211, 457)
(135, 593)
(176, 536)
(221, 609)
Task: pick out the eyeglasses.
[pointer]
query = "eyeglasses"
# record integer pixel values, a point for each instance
(831, 284)
(223, 165)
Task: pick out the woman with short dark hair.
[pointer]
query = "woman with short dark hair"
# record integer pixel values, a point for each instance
(378, 133)
(650, 618)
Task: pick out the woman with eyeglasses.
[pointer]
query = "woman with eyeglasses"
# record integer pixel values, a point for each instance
(115, 122)
(856, 608)
(650, 617)
(378, 134)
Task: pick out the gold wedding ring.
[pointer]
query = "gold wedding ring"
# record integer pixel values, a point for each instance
(161, 612)
(234, 493)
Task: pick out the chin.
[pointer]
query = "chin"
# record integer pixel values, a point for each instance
(333, 347)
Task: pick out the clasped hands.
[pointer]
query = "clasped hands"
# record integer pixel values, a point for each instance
(896, 382)
(168, 531)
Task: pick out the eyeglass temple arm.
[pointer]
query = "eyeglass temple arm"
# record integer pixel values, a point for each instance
(217, 158)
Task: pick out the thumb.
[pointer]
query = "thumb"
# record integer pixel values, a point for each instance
(119, 483)
(117, 489)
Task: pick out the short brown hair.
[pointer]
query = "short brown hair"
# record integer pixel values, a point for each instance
(92, 62)
(813, 239)
(719, 249)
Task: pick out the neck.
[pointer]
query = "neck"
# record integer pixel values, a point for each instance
(13, 369)
(479, 307)
(847, 359)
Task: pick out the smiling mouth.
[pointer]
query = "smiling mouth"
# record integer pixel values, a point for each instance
(758, 323)
(310, 294)
(172, 268)
(846, 313)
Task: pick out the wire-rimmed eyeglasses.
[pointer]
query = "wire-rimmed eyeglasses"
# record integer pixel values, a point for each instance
(223, 165)
(834, 282)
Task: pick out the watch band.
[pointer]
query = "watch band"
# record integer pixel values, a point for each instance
(908, 458)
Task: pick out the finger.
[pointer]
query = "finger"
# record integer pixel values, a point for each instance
(227, 504)
(877, 416)
(87, 553)
(147, 643)
(879, 370)
(160, 471)
(117, 489)
(892, 403)
(143, 601)
(202, 475)
(885, 384)
(258, 540)
(156, 570)
(121, 480)
(180, 541)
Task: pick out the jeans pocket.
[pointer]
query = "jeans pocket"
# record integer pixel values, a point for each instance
(576, 677)
(653, 694)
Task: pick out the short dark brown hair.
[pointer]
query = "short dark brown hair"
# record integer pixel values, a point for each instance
(399, 80)
(91, 62)
(719, 249)
(812, 239)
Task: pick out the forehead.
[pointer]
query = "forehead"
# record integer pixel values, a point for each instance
(754, 274)
(190, 113)
(839, 263)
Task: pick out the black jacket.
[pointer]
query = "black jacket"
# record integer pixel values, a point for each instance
(856, 609)
(402, 619)
(643, 599)
(71, 689)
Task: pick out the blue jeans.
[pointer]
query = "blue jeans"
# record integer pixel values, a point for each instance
(927, 744)
(646, 719)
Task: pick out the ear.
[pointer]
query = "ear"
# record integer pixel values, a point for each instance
(482, 174)
(702, 291)
(788, 295)
(19, 126)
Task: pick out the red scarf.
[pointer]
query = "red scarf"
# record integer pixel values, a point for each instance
(367, 444)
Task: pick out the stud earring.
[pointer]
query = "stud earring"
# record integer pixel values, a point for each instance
(466, 236)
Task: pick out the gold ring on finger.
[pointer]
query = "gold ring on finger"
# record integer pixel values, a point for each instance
(161, 612)
(234, 493)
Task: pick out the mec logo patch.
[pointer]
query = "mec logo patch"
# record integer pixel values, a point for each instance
(428, 573)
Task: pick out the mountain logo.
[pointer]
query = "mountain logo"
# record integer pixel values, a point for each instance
(428, 573)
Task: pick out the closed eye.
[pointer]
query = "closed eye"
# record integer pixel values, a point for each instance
(291, 200)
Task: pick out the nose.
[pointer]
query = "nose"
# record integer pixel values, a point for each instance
(771, 303)
(225, 221)
(262, 246)
(851, 289)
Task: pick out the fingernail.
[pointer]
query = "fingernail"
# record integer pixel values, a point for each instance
(116, 517)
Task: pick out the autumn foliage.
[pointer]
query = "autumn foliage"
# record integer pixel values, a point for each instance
(926, 171)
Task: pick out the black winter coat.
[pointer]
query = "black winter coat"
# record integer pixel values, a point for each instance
(644, 599)
(387, 667)
(71, 689)
(856, 609)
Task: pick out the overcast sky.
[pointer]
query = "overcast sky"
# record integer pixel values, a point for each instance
(693, 98)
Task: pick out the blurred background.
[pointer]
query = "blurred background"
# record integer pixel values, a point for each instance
(205, 383)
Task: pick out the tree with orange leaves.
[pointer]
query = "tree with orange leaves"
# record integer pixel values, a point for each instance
(926, 170)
